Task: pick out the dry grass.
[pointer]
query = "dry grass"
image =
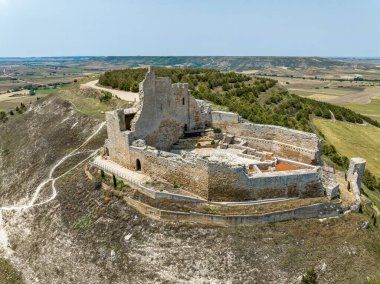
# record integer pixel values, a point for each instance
(8, 275)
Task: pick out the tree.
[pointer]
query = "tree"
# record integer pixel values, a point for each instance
(134, 87)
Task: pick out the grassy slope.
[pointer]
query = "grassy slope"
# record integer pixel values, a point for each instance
(88, 104)
(353, 140)
(372, 109)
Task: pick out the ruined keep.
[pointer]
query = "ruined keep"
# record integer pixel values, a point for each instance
(174, 137)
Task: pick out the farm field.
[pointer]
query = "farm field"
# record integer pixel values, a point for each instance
(353, 140)
(360, 96)
(11, 100)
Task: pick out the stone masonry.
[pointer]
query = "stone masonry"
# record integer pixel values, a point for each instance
(246, 162)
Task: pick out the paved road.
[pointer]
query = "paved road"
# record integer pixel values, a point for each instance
(127, 96)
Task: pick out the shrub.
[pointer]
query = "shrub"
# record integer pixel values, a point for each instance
(211, 210)
(217, 130)
(310, 277)
(175, 185)
(97, 184)
(3, 116)
(213, 142)
(135, 87)
(120, 184)
(107, 96)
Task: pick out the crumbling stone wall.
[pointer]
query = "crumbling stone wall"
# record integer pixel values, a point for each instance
(222, 182)
(117, 144)
(288, 143)
(173, 168)
(355, 174)
(231, 183)
(165, 108)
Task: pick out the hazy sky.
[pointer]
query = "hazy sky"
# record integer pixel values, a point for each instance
(190, 27)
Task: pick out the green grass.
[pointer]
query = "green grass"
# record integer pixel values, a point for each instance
(353, 140)
(46, 91)
(89, 105)
(84, 223)
(8, 275)
(373, 195)
(372, 109)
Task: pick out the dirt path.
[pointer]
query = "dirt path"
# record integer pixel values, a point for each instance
(9, 253)
(126, 96)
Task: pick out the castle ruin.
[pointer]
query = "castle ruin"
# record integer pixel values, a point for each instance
(215, 155)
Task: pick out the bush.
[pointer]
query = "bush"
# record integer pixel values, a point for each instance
(310, 277)
(3, 117)
(107, 96)
(211, 210)
(217, 130)
(135, 87)
(371, 181)
(175, 185)
(120, 184)
(213, 142)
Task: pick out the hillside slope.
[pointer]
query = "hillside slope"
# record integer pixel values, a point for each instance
(82, 236)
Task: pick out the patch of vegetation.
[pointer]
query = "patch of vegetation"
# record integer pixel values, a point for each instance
(8, 275)
(105, 97)
(84, 223)
(352, 140)
(88, 105)
(3, 116)
(310, 277)
(120, 185)
(217, 130)
(373, 280)
(211, 210)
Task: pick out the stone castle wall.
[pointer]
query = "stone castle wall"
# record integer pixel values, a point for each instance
(166, 110)
(172, 168)
(233, 184)
(222, 182)
(284, 142)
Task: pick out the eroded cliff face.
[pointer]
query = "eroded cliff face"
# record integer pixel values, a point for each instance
(84, 236)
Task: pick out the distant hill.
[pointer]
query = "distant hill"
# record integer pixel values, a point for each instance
(236, 63)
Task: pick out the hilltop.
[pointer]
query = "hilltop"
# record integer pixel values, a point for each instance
(82, 235)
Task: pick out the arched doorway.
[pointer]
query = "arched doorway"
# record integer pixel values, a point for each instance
(138, 165)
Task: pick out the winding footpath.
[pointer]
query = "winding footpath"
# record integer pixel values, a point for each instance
(28, 273)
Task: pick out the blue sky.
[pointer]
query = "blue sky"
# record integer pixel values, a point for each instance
(190, 27)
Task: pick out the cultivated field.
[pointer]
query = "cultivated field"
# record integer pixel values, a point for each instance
(360, 96)
(353, 140)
